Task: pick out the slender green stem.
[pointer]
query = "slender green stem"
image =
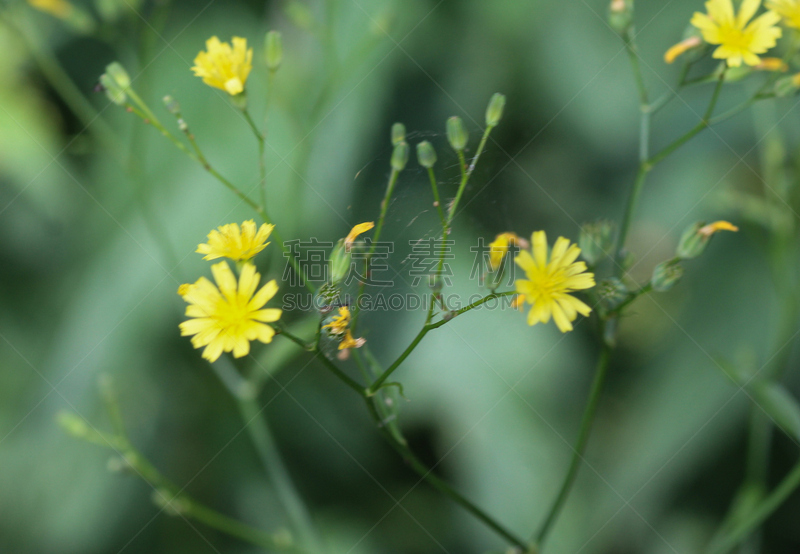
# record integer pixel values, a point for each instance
(340, 374)
(424, 331)
(764, 509)
(305, 345)
(466, 173)
(705, 122)
(196, 154)
(387, 198)
(236, 528)
(265, 445)
(436, 201)
(633, 55)
(627, 218)
(166, 493)
(631, 299)
(427, 474)
(262, 167)
(646, 165)
(267, 450)
(580, 444)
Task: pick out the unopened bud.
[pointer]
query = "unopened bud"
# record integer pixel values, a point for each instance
(426, 155)
(339, 262)
(494, 112)
(172, 105)
(273, 50)
(665, 275)
(112, 90)
(457, 134)
(620, 15)
(697, 236)
(118, 73)
(73, 424)
(400, 156)
(596, 240)
(612, 292)
(398, 133)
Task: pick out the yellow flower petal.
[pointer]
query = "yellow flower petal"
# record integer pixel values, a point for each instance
(712, 228)
(682, 47)
(357, 230)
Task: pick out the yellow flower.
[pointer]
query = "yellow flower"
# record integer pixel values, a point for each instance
(57, 8)
(339, 324)
(499, 247)
(229, 241)
(737, 40)
(224, 67)
(355, 231)
(226, 317)
(349, 342)
(681, 48)
(550, 282)
(338, 328)
(789, 9)
(712, 228)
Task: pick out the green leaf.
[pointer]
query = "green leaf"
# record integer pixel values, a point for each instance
(781, 406)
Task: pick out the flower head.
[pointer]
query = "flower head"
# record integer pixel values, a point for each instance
(238, 244)
(500, 246)
(339, 323)
(550, 282)
(738, 41)
(338, 327)
(227, 316)
(789, 9)
(224, 66)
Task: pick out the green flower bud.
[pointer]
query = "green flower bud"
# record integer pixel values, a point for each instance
(612, 292)
(495, 109)
(73, 424)
(666, 274)
(120, 76)
(400, 156)
(172, 105)
(113, 92)
(457, 134)
(697, 236)
(620, 15)
(596, 240)
(339, 263)
(426, 155)
(398, 133)
(692, 242)
(273, 50)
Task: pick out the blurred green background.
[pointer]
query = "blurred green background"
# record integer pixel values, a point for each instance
(93, 248)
